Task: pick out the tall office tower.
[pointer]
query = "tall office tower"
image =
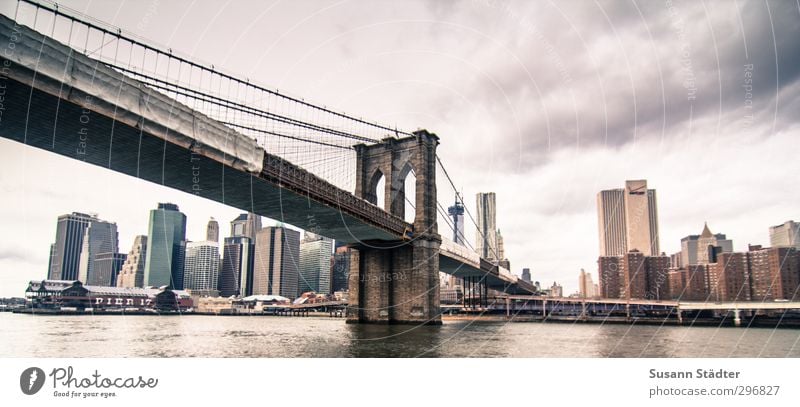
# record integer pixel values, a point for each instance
(657, 274)
(132, 272)
(705, 244)
(107, 268)
(341, 269)
(65, 253)
(165, 236)
(315, 264)
(201, 265)
(501, 248)
(486, 238)
(611, 222)
(457, 213)
(786, 235)
(728, 279)
(277, 262)
(608, 271)
(633, 275)
(236, 276)
(99, 238)
(641, 218)
(526, 274)
(774, 273)
(212, 230)
(586, 285)
(628, 219)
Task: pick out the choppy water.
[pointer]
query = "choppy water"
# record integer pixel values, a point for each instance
(243, 336)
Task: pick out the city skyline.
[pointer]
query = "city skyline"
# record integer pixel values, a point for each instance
(546, 202)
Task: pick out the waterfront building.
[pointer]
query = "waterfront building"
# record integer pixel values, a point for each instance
(628, 219)
(66, 251)
(486, 238)
(608, 271)
(55, 294)
(633, 275)
(99, 238)
(315, 264)
(341, 269)
(277, 258)
(132, 271)
(676, 280)
(238, 259)
(166, 234)
(212, 230)
(728, 278)
(697, 288)
(201, 266)
(657, 272)
(774, 273)
(785, 235)
(457, 213)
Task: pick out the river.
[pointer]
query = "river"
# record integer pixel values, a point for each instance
(251, 336)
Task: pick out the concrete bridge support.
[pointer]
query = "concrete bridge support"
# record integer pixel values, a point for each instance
(398, 282)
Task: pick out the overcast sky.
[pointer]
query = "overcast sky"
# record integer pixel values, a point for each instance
(544, 103)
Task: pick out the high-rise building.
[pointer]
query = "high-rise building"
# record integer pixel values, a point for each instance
(341, 269)
(556, 290)
(633, 275)
(212, 230)
(526, 274)
(99, 238)
(785, 235)
(457, 213)
(246, 224)
(728, 278)
(165, 236)
(486, 238)
(706, 243)
(586, 285)
(201, 266)
(65, 253)
(608, 271)
(315, 264)
(236, 276)
(277, 262)
(131, 274)
(657, 273)
(107, 267)
(628, 219)
(774, 273)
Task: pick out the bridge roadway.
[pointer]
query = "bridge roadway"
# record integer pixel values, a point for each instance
(62, 101)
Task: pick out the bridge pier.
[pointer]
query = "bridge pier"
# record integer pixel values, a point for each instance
(398, 282)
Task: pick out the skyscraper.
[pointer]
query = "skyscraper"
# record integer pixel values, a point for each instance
(201, 266)
(212, 230)
(246, 224)
(99, 238)
(66, 251)
(236, 277)
(107, 268)
(486, 238)
(277, 262)
(705, 244)
(457, 213)
(785, 235)
(633, 275)
(586, 285)
(526, 274)
(165, 234)
(628, 219)
(315, 264)
(132, 272)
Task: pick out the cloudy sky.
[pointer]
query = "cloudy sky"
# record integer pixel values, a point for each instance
(543, 102)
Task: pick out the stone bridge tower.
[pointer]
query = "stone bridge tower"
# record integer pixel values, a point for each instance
(398, 282)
